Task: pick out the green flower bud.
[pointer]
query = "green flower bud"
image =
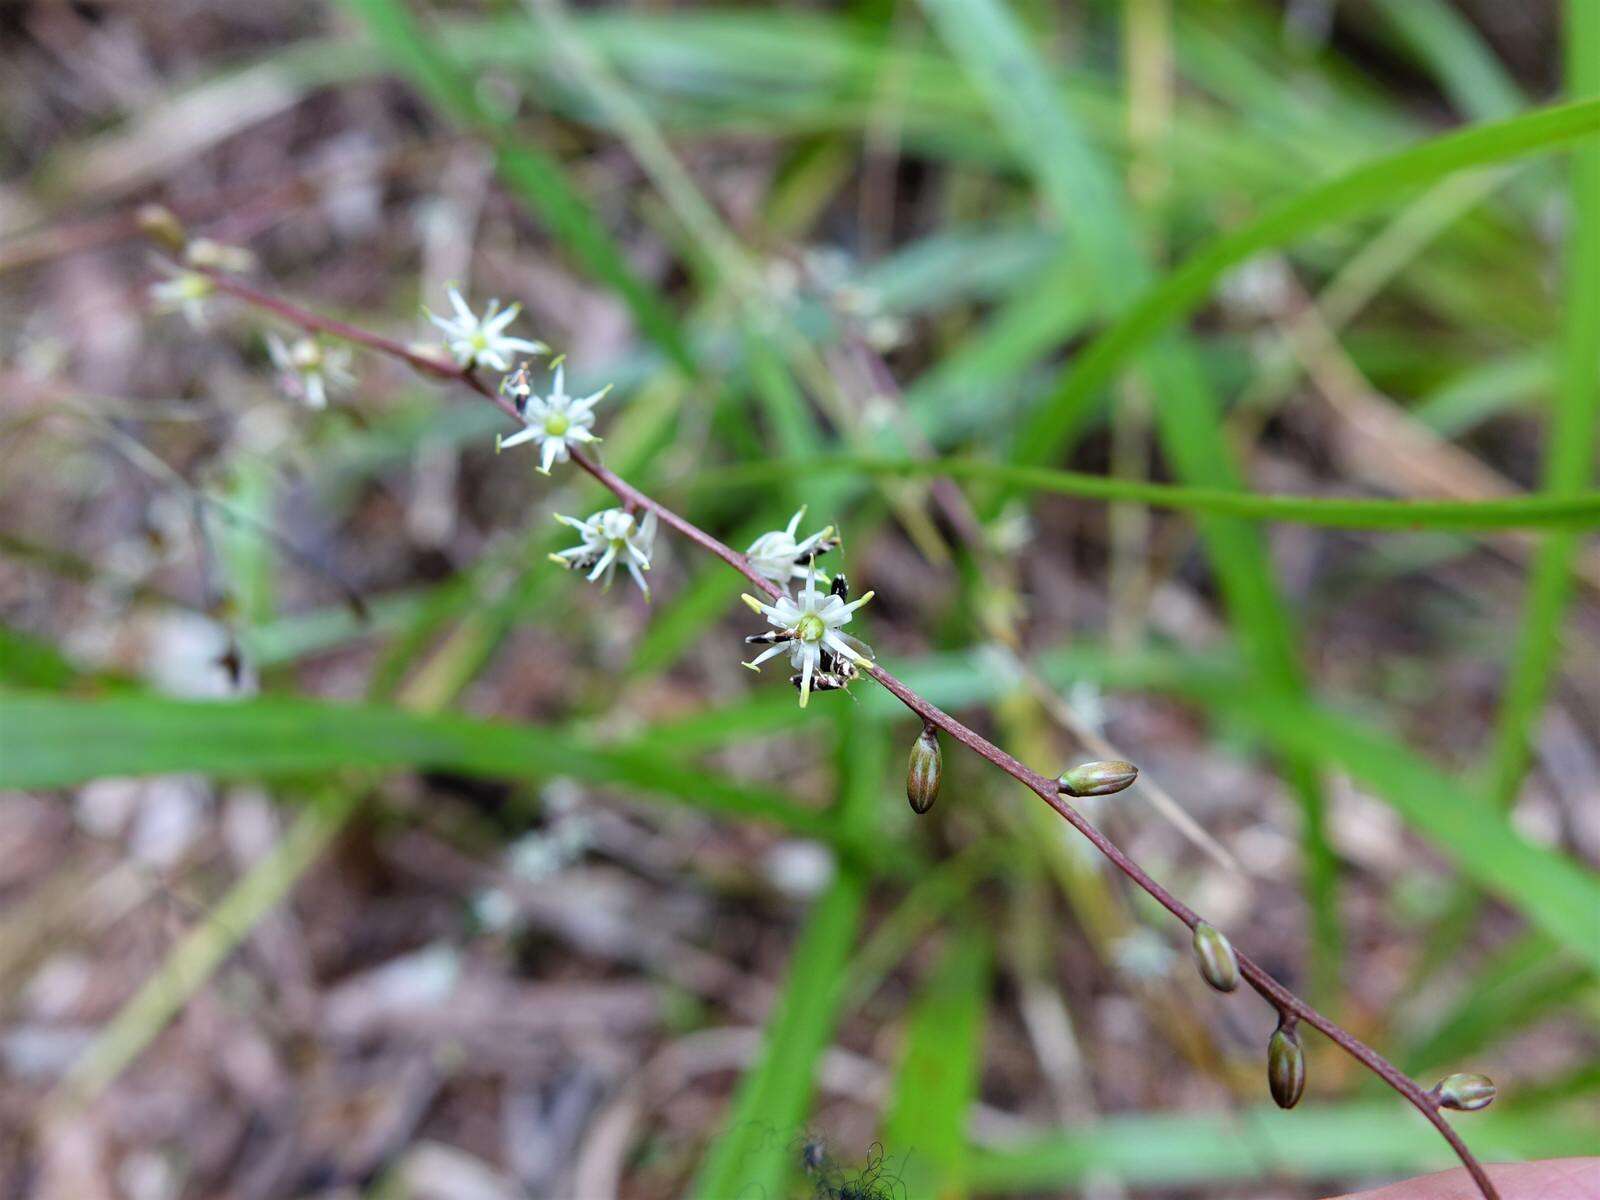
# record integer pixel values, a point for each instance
(924, 770)
(1214, 954)
(1465, 1093)
(1286, 1067)
(1098, 778)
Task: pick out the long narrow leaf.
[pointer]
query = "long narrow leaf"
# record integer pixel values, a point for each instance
(754, 1155)
(1365, 188)
(938, 1077)
(1570, 447)
(52, 741)
(1581, 511)
(1081, 187)
(1352, 1142)
(532, 174)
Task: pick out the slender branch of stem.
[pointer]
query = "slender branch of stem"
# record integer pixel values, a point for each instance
(439, 368)
(1288, 1005)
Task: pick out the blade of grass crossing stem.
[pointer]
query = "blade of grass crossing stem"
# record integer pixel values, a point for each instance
(1551, 891)
(925, 1130)
(1554, 892)
(752, 1156)
(535, 177)
(1188, 285)
(1570, 440)
(1192, 438)
(1082, 189)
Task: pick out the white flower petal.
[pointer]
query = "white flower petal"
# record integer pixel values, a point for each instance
(516, 439)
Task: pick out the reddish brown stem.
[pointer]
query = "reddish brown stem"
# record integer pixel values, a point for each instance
(1288, 1005)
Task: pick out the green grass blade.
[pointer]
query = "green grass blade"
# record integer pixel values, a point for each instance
(52, 741)
(1517, 985)
(1315, 1142)
(1362, 189)
(773, 1095)
(1086, 194)
(1443, 40)
(30, 662)
(1556, 894)
(536, 177)
(1192, 436)
(941, 888)
(938, 1076)
(1570, 445)
(1548, 889)
(752, 1156)
(1575, 512)
(1078, 184)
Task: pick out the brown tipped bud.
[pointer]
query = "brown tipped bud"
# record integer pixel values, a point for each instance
(1286, 1067)
(158, 223)
(1465, 1093)
(924, 770)
(1098, 778)
(1214, 954)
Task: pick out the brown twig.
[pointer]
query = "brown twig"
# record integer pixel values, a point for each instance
(1290, 1007)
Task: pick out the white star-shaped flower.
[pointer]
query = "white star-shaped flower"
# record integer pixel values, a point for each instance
(185, 292)
(476, 341)
(609, 538)
(307, 368)
(778, 557)
(806, 626)
(554, 421)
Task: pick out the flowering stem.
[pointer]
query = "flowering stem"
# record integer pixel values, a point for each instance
(1290, 1007)
(312, 322)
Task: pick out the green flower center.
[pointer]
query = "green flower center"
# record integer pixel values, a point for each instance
(556, 424)
(810, 628)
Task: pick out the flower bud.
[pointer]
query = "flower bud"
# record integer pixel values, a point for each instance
(924, 770)
(306, 354)
(1465, 1093)
(1286, 1067)
(158, 223)
(206, 252)
(1098, 778)
(1214, 955)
